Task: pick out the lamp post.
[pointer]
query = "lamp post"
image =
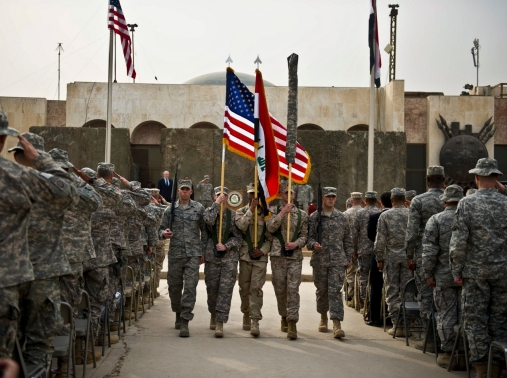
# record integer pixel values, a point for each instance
(475, 52)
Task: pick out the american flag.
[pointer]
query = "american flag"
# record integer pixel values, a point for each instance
(239, 130)
(117, 23)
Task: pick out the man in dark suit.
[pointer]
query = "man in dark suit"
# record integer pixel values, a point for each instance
(376, 280)
(165, 185)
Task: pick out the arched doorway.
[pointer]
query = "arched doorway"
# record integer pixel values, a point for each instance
(146, 156)
(96, 124)
(361, 127)
(310, 126)
(204, 125)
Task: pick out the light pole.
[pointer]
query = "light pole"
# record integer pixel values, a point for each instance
(59, 48)
(133, 29)
(475, 52)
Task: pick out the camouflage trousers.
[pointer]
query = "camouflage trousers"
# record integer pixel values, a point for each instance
(72, 286)
(251, 279)
(286, 278)
(303, 206)
(448, 305)
(425, 296)
(133, 262)
(182, 279)
(396, 274)
(97, 287)
(40, 321)
(206, 203)
(159, 262)
(485, 312)
(115, 275)
(363, 271)
(9, 318)
(351, 278)
(329, 283)
(220, 280)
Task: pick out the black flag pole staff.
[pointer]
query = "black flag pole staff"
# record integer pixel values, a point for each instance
(292, 121)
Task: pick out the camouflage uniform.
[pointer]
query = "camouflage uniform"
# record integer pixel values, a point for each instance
(185, 250)
(286, 271)
(351, 272)
(220, 272)
(477, 254)
(329, 263)
(389, 248)
(20, 189)
(252, 273)
(206, 190)
(304, 196)
(151, 226)
(435, 262)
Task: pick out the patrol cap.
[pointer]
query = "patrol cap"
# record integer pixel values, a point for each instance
(435, 170)
(471, 191)
(398, 192)
(105, 167)
(218, 190)
(486, 167)
(90, 172)
(4, 126)
(153, 191)
(206, 177)
(356, 195)
(61, 158)
(328, 191)
(370, 195)
(185, 184)
(250, 188)
(411, 194)
(453, 193)
(284, 187)
(116, 181)
(36, 140)
(135, 185)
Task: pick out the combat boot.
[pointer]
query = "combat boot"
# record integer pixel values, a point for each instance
(184, 332)
(443, 361)
(219, 331)
(350, 303)
(177, 323)
(399, 331)
(285, 325)
(254, 329)
(482, 371)
(338, 333)
(246, 322)
(430, 346)
(213, 321)
(114, 339)
(292, 332)
(323, 323)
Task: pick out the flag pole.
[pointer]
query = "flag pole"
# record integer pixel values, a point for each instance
(256, 196)
(222, 179)
(256, 148)
(371, 128)
(109, 98)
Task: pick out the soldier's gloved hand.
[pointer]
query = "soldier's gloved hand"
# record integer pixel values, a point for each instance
(253, 204)
(380, 265)
(81, 174)
(291, 246)
(28, 149)
(167, 234)
(317, 246)
(458, 281)
(221, 247)
(411, 264)
(257, 253)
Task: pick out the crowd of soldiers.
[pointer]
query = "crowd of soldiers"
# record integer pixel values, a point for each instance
(68, 230)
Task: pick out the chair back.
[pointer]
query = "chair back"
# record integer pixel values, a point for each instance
(410, 288)
(130, 274)
(66, 314)
(148, 265)
(85, 302)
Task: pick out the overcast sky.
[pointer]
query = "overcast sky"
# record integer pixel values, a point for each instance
(178, 40)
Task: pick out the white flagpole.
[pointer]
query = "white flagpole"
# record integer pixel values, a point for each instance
(109, 98)
(371, 128)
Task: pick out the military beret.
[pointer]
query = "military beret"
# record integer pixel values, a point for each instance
(398, 192)
(218, 190)
(453, 193)
(471, 191)
(4, 126)
(105, 167)
(90, 172)
(411, 194)
(185, 184)
(370, 195)
(206, 177)
(250, 188)
(61, 158)
(485, 167)
(435, 170)
(284, 187)
(36, 140)
(328, 191)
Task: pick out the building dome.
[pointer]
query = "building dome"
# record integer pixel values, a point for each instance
(218, 78)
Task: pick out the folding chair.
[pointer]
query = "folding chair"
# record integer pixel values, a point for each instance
(84, 331)
(129, 292)
(383, 309)
(27, 370)
(409, 309)
(104, 320)
(148, 280)
(460, 332)
(357, 293)
(367, 309)
(64, 345)
(500, 345)
(139, 296)
(433, 323)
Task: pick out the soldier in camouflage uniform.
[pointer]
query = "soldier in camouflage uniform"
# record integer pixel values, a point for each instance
(188, 242)
(287, 258)
(159, 201)
(471, 191)
(410, 196)
(253, 261)
(20, 189)
(435, 261)
(40, 303)
(330, 259)
(351, 213)
(304, 196)
(206, 189)
(479, 261)
(221, 260)
(422, 207)
(389, 249)
(363, 246)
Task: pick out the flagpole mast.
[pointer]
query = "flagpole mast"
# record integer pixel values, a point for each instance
(109, 97)
(222, 179)
(371, 128)
(256, 147)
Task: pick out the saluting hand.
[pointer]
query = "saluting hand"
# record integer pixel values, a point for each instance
(28, 149)
(81, 174)
(122, 179)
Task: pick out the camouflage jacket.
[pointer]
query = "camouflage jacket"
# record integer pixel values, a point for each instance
(20, 188)
(189, 231)
(277, 223)
(76, 230)
(101, 224)
(436, 240)
(479, 236)
(352, 213)
(234, 239)
(136, 222)
(245, 223)
(304, 193)
(151, 225)
(422, 208)
(363, 246)
(390, 241)
(206, 191)
(337, 248)
(126, 208)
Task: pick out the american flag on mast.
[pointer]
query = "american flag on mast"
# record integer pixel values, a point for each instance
(239, 130)
(117, 23)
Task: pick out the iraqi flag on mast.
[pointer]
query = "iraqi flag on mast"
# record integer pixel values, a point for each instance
(373, 42)
(268, 167)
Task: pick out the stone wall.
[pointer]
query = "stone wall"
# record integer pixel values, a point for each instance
(56, 113)
(341, 158)
(416, 115)
(500, 120)
(86, 146)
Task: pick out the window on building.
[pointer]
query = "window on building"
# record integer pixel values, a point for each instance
(501, 158)
(416, 168)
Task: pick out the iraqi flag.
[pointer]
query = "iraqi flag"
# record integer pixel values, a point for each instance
(373, 43)
(268, 166)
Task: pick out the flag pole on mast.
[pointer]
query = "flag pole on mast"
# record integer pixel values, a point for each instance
(109, 97)
(256, 146)
(371, 126)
